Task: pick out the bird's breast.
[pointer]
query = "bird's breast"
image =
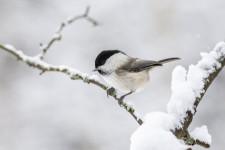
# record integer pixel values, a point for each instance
(128, 81)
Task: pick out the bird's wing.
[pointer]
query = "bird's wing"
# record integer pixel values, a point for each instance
(137, 65)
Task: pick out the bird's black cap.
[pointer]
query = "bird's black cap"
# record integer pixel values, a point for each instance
(103, 56)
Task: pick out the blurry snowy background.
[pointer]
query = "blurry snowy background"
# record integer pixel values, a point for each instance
(53, 112)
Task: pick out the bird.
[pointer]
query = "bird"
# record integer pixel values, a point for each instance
(124, 73)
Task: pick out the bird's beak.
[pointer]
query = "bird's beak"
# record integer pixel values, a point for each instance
(95, 70)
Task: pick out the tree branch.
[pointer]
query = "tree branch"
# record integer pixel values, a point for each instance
(57, 36)
(187, 88)
(218, 55)
(74, 74)
(180, 132)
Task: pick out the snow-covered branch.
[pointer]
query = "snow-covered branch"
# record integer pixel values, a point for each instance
(58, 36)
(73, 73)
(188, 89)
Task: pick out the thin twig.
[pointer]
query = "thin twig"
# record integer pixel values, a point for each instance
(57, 36)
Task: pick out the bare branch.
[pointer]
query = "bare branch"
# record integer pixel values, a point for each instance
(57, 36)
(74, 74)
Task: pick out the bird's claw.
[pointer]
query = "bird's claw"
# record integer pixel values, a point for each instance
(111, 91)
(120, 101)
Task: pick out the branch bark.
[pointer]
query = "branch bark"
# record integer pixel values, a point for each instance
(183, 131)
(57, 36)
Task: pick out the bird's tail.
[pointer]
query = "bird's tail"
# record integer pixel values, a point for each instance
(168, 60)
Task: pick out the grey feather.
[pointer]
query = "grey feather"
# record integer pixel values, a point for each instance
(168, 60)
(137, 65)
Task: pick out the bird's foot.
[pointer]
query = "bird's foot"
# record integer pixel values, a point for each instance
(111, 91)
(120, 100)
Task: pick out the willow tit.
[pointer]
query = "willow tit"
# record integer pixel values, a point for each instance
(125, 73)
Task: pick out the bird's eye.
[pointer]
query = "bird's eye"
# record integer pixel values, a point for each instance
(100, 71)
(103, 72)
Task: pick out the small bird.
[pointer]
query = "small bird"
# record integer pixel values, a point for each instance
(124, 73)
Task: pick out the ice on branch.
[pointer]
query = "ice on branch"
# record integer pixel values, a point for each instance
(201, 134)
(155, 133)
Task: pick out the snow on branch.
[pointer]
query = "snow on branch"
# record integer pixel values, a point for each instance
(58, 36)
(38, 63)
(188, 89)
(73, 73)
(201, 134)
(158, 130)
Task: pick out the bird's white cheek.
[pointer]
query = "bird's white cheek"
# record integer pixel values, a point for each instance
(116, 61)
